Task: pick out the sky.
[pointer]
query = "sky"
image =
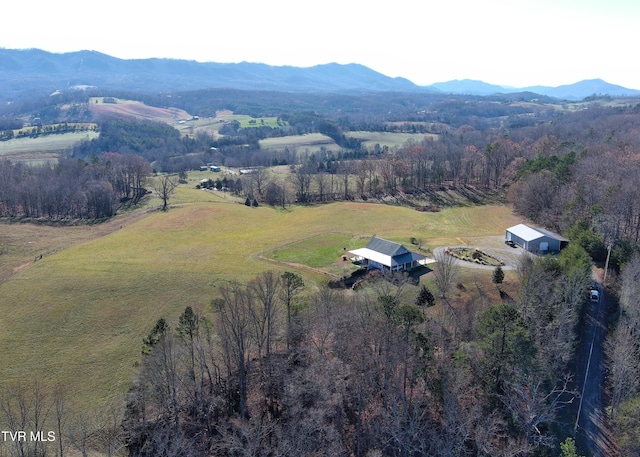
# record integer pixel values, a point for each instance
(515, 43)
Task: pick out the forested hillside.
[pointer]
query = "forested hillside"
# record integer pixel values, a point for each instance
(366, 374)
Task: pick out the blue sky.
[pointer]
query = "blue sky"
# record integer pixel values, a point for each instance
(509, 42)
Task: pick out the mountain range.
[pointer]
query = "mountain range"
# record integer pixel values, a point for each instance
(34, 71)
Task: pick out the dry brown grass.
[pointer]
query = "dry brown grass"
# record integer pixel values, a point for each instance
(131, 108)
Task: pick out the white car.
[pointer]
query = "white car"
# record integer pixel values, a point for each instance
(594, 295)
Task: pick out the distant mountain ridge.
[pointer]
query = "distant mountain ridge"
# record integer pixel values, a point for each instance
(576, 91)
(34, 71)
(33, 68)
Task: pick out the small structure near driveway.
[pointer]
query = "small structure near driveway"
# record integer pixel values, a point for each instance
(535, 240)
(381, 254)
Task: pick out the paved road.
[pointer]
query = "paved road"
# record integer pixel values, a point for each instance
(593, 436)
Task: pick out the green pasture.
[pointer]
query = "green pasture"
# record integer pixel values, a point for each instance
(389, 139)
(325, 252)
(77, 316)
(248, 121)
(212, 125)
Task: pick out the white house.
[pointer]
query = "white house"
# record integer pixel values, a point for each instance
(535, 239)
(381, 254)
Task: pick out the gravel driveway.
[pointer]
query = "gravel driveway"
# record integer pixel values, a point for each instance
(492, 245)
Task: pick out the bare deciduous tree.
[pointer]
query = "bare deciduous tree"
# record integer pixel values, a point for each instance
(291, 286)
(234, 328)
(446, 271)
(164, 186)
(265, 312)
(623, 356)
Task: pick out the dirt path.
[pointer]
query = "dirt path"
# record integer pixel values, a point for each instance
(593, 435)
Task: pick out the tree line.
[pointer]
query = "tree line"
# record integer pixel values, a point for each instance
(39, 129)
(622, 348)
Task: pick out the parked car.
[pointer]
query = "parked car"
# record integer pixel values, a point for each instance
(594, 295)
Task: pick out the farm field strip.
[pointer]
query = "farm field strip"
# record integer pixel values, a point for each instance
(53, 143)
(298, 141)
(137, 109)
(389, 139)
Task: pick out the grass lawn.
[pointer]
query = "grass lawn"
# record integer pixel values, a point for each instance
(77, 316)
(325, 252)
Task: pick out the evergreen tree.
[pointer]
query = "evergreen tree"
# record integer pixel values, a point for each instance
(568, 448)
(425, 297)
(498, 276)
(154, 336)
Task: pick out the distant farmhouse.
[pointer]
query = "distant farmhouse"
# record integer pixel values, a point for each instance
(535, 239)
(381, 254)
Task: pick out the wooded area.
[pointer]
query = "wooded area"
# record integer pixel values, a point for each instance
(72, 189)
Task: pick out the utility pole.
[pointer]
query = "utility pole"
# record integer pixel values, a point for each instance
(606, 266)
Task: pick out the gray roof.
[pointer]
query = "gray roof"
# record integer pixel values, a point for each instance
(551, 234)
(387, 253)
(386, 247)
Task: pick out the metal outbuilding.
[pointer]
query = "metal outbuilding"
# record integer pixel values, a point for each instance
(536, 240)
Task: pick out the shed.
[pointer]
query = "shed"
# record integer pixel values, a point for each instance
(534, 239)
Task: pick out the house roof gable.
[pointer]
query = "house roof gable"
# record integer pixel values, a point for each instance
(386, 247)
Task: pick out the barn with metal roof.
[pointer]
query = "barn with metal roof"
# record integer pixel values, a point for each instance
(536, 240)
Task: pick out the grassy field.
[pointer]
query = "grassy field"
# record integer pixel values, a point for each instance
(46, 146)
(77, 316)
(248, 121)
(312, 142)
(391, 140)
(326, 252)
(136, 109)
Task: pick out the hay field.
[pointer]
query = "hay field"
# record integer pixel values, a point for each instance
(45, 146)
(311, 142)
(77, 316)
(389, 139)
(137, 109)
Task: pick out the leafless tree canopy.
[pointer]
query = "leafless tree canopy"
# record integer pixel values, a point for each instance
(164, 187)
(446, 271)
